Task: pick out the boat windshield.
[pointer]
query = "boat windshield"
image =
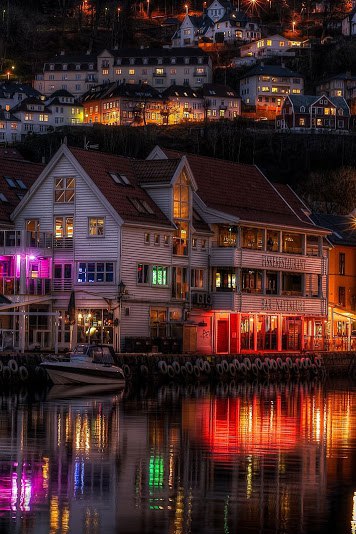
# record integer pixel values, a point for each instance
(80, 349)
(101, 355)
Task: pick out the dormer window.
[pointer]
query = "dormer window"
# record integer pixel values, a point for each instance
(173, 60)
(65, 66)
(200, 60)
(77, 67)
(186, 60)
(132, 60)
(160, 61)
(91, 66)
(145, 60)
(51, 67)
(302, 109)
(118, 61)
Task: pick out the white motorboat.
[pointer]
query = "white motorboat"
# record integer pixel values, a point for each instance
(87, 364)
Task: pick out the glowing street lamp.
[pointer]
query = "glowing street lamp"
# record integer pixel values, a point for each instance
(293, 26)
(186, 9)
(118, 14)
(148, 8)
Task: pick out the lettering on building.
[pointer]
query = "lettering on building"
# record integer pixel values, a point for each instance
(283, 305)
(280, 262)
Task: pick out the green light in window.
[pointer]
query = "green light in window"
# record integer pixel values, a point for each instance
(156, 472)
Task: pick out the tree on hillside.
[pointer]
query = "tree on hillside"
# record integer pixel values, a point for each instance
(331, 191)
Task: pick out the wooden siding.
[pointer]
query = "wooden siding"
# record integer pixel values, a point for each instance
(137, 323)
(134, 251)
(162, 196)
(269, 304)
(235, 257)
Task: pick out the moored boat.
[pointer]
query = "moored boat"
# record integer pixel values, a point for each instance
(87, 364)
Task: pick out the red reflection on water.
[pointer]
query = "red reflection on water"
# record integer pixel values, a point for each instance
(259, 424)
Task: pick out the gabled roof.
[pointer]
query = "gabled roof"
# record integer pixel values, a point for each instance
(214, 89)
(340, 76)
(61, 93)
(13, 88)
(98, 167)
(181, 91)
(241, 191)
(271, 70)
(15, 167)
(23, 105)
(155, 171)
(294, 201)
(342, 226)
(7, 116)
(307, 101)
(125, 90)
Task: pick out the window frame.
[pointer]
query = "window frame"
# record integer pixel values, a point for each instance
(105, 272)
(97, 235)
(63, 190)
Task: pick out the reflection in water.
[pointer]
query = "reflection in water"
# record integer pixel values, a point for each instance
(271, 458)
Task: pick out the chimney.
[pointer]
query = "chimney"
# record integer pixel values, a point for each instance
(283, 65)
(62, 52)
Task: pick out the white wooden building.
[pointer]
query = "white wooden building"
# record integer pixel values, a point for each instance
(203, 251)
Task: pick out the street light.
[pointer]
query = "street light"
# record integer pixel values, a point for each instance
(118, 14)
(148, 8)
(121, 291)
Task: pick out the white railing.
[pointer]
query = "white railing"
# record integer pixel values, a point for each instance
(10, 239)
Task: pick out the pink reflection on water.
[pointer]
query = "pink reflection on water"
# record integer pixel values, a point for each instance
(21, 490)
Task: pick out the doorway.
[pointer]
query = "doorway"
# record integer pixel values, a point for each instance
(223, 335)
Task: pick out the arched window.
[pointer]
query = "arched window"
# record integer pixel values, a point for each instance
(302, 109)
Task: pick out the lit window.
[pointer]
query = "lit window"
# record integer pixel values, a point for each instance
(197, 278)
(131, 72)
(156, 239)
(95, 272)
(96, 226)
(64, 190)
(64, 227)
(147, 238)
(159, 275)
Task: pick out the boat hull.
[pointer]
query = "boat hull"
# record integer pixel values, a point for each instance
(63, 373)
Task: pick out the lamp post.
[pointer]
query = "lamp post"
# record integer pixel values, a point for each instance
(121, 291)
(148, 9)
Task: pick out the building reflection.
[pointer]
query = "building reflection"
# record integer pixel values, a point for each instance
(262, 457)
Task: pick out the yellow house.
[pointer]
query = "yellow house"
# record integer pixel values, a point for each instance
(342, 280)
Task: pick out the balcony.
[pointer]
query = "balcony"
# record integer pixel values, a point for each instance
(200, 74)
(16, 241)
(62, 284)
(63, 243)
(259, 259)
(38, 286)
(10, 285)
(159, 74)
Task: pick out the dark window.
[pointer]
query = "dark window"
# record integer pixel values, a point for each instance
(342, 263)
(342, 296)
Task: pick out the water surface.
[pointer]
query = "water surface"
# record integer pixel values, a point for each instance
(255, 459)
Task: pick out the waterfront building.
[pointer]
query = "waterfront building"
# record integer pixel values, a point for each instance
(342, 280)
(199, 250)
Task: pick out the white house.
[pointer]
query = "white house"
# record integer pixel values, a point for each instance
(266, 86)
(221, 22)
(152, 248)
(158, 67)
(10, 127)
(273, 45)
(348, 24)
(75, 73)
(65, 109)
